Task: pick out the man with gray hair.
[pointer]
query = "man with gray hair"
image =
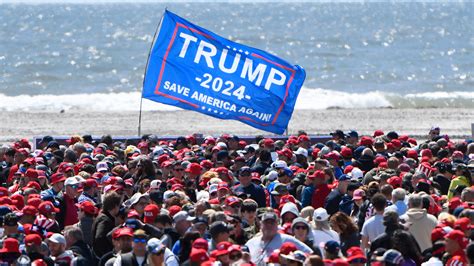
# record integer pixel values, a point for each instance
(417, 177)
(419, 222)
(398, 199)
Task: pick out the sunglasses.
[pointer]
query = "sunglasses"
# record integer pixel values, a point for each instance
(178, 169)
(139, 240)
(74, 186)
(300, 227)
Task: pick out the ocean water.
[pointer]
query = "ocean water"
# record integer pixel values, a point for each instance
(356, 55)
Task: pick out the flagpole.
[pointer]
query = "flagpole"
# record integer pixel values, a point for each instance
(146, 68)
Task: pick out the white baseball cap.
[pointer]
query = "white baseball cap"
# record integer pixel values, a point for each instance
(279, 164)
(57, 238)
(320, 215)
(155, 184)
(302, 151)
(181, 216)
(71, 181)
(102, 166)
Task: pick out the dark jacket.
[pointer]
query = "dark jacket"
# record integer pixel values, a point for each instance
(86, 227)
(352, 240)
(128, 259)
(254, 192)
(103, 224)
(332, 201)
(83, 254)
(103, 260)
(38, 256)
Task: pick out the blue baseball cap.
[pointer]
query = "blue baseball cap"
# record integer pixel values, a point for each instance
(288, 172)
(353, 134)
(344, 178)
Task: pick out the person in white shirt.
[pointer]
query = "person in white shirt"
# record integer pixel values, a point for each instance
(373, 227)
(263, 244)
(322, 232)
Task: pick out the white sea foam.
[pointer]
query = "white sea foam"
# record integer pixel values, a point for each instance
(309, 99)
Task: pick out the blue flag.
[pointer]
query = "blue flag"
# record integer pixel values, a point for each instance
(195, 69)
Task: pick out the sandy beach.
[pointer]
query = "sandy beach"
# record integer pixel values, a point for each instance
(416, 122)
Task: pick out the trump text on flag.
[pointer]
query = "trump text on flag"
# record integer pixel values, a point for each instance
(195, 69)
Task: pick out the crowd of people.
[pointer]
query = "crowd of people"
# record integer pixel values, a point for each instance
(379, 199)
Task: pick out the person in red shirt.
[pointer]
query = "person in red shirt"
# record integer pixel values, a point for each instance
(68, 210)
(316, 193)
(455, 245)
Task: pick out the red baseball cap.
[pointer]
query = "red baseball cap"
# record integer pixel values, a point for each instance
(223, 185)
(412, 154)
(396, 143)
(150, 213)
(33, 184)
(302, 138)
(395, 181)
(193, 168)
(31, 173)
(268, 142)
(206, 164)
(346, 152)
(56, 178)
(47, 207)
(287, 198)
(437, 234)
(29, 210)
(30, 161)
(124, 231)
(332, 155)
(91, 183)
(287, 247)
(5, 201)
(457, 236)
(462, 224)
(366, 141)
(355, 253)
(379, 159)
(39, 262)
(231, 200)
(317, 174)
(377, 133)
(255, 176)
(198, 255)
(88, 207)
(426, 153)
(34, 202)
(174, 210)
(33, 239)
(175, 187)
(222, 248)
(10, 245)
(3, 192)
(286, 152)
(201, 243)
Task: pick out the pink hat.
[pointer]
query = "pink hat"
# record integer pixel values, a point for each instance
(358, 194)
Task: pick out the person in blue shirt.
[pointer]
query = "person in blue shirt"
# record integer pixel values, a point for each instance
(249, 188)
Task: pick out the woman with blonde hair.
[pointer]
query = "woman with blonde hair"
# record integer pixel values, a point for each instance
(307, 213)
